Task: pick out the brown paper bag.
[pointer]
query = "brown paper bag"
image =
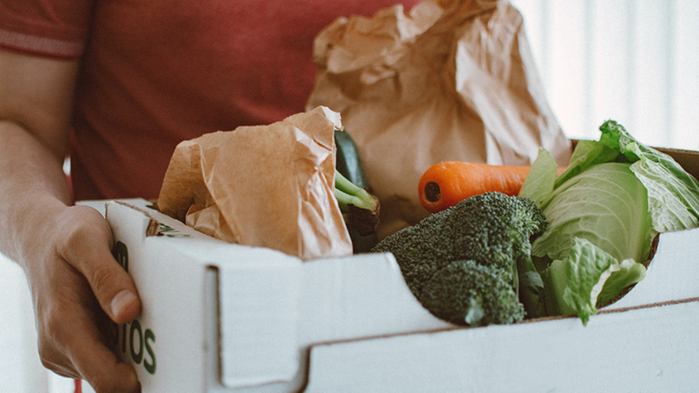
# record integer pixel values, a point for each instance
(268, 186)
(451, 80)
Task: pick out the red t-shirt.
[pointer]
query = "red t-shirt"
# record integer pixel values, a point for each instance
(157, 72)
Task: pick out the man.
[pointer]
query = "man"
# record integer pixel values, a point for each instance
(116, 85)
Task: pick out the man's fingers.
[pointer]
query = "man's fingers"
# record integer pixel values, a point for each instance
(104, 372)
(113, 287)
(75, 337)
(94, 361)
(88, 248)
(60, 369)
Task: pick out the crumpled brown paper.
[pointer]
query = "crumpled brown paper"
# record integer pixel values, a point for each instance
(267, 186)
(451, 80)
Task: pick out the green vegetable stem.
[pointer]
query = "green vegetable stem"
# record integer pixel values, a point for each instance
(349, 166)
(359, 207)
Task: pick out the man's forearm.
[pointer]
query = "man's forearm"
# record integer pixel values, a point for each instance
(32, 183)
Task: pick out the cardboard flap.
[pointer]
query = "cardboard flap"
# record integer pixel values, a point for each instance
(258, 297)
(653, 350)
(272, 307)
(167, 279)
(148, 225)
(340, 295)
(151, 225)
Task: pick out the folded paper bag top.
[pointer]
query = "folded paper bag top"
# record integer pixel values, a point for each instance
(265, 186)
(448, 80)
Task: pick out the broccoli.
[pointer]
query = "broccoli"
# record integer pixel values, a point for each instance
(467, 292)
(466, 264)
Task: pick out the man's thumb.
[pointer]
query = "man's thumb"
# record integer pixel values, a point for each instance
(125, 306)
(87, 248)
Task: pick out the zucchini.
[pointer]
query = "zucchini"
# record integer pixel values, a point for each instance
(349, 164)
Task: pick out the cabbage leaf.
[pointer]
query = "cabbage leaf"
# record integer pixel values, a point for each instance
(588, 276)
(603, 211)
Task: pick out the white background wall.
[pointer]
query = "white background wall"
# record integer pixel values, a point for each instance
(20, 368)
(634, 61)
(19, 360)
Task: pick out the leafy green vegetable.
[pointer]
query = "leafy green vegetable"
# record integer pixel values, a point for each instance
(603, 213)
(574, 285)
(673, 194)
(606, 205)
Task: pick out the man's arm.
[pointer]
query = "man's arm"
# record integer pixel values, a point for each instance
(65, 250)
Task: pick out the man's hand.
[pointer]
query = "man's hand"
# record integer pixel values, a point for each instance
(78, 288)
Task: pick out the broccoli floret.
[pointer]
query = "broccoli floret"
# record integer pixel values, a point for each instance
(464, 292)
(492, 229)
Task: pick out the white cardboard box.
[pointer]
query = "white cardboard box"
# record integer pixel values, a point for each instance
(220, 317)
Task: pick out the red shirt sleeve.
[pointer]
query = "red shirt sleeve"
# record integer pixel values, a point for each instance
(57, 28)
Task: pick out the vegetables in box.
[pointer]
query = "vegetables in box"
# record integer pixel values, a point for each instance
(603, 212)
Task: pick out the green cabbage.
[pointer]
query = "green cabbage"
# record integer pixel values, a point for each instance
(603, 213)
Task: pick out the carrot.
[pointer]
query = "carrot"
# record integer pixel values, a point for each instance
(445, 184)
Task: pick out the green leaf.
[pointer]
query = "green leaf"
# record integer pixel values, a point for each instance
(541, 177)
(587, 278)
(586, 155)
(606, 205)
(673, 194)
(627, 273)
